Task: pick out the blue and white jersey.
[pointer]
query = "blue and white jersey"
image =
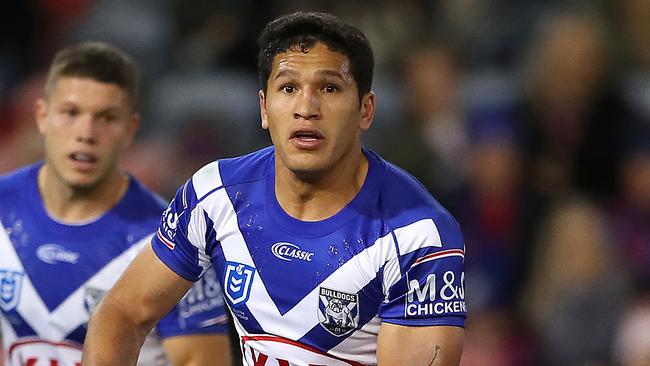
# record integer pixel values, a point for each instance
(53, 274)
(316, 293)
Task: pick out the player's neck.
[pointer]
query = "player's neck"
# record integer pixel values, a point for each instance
(78, 205)
(322, 197)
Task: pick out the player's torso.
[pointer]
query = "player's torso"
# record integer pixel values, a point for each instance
(300, 295)
(52, 276)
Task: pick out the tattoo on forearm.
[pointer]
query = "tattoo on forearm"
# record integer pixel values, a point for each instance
(435, 355)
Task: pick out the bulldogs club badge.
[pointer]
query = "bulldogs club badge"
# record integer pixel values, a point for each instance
(338, 312)
(10, 284)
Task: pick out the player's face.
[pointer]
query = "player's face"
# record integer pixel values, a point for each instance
(87, 125)
(311, 108)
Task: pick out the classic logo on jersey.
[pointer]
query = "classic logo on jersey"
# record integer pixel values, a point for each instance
(239, 278)
(92, 297)
(10, 285)
(338, 312)
(288, 251)
(53, 253)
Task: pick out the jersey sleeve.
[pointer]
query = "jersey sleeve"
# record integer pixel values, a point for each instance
(201, 311)
(180, 241)
(428, 285)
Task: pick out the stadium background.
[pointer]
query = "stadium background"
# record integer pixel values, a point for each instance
(528, 119)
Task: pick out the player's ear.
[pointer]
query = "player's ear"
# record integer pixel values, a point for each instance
(367, 111)
(265, 121)
(40, 114)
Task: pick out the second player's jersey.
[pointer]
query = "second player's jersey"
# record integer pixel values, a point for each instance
(316, 293)
(52, 275)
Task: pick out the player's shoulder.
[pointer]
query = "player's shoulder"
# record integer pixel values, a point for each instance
(139, 207)
(408, 206)
(144, 198)
(15, 182)
(231, 171)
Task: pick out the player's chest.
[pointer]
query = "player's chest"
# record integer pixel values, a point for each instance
(300, 286)
(56, 269)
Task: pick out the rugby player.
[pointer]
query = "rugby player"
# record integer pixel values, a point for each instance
(328, 254)
(71, 224)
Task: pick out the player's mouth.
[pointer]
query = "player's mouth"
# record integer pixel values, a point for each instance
(306, 138)
(83, 161)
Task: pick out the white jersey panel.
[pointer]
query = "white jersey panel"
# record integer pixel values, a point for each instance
(206, 179)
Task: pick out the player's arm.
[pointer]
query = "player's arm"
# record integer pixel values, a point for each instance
(198, 350)
(147, 290)
(424, 311)
(399, 345)
(196, 331)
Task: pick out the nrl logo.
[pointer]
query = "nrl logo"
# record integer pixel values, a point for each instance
(10, 286)
(239, 278)
(338, 312)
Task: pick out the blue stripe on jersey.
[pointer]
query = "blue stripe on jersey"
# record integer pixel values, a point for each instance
(18, 324)
(210, 236)
(78, 335)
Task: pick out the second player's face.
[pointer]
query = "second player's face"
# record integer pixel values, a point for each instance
(87, 125)
(312, 110)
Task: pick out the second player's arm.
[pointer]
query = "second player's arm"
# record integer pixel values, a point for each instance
(147, 290)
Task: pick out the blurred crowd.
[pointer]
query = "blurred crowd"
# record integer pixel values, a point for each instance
(528, 119)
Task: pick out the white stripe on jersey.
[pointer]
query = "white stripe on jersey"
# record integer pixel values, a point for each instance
(38, 314)
(206, 179)
(364, 342)
(197, 236)
(74, 303)
(418, 235)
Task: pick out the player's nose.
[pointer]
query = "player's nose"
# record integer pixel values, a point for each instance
(307, 105)
(86, 130)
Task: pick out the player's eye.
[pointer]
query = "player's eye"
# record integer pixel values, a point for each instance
(70, 112)
(330, 88)
(289, 89)
(110, 118)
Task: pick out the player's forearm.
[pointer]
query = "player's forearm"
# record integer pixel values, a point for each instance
(436, 356)
(114, 337)
(419, 346)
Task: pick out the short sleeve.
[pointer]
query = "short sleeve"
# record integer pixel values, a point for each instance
(430, 289)
(175, 242)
